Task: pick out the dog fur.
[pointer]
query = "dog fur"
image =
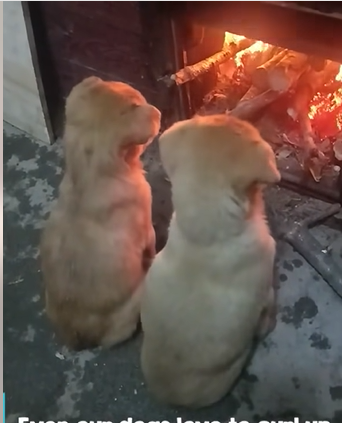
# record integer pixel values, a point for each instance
(209, 293)
(99, 240)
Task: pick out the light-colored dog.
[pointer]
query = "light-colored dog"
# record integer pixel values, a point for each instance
(99, 240)
(209, 293)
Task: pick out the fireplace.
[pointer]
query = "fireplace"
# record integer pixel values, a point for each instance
(271, 63)
(190, 58)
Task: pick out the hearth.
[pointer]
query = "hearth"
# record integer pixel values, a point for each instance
(208, 57)
(275, 66)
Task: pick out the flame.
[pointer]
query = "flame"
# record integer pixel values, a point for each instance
(326, 110)
(339, 75)
(231, 38)
(257, 46)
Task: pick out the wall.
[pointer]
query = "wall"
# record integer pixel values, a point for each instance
(102, 38)
(22, 105)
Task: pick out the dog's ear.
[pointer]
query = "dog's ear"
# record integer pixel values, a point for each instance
(255, 165)
(143, 125)
(266, 166)
(90, 81)
(79, 103)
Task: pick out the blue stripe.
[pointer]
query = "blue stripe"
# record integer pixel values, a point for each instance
(3, 405)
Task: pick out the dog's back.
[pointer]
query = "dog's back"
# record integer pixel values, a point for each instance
(93, 264)
(197, 312)
(99, 240)
(206, 290)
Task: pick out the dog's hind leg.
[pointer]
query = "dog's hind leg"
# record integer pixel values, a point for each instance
(124, 322)
(268, 318)
(149, 252)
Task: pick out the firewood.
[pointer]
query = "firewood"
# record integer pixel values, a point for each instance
(191, 72)
(329, 71)
(260, 75)
(254, 56)
(317, 63)
(251, 93)
(282, 74)
(287, 71)
(309, 83)
(337, 148)
(253, 102)
(310, 156)
(309, 145)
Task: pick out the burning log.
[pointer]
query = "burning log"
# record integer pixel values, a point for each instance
(317, 63)
(308, 84)
(255, 55)
(191, 72)
(312, 158)
(337, 148)
(253, 102)
(260, 75)
(281, 72)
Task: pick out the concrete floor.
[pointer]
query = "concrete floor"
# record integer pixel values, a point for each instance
(297, 371)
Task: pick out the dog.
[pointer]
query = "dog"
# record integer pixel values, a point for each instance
(209, 293)
(98, 241)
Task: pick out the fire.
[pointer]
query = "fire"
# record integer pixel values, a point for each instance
(339, 75)
(259, 46)
(326, 109)
(231, 38)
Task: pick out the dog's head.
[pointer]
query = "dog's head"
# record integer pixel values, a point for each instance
(106, 117)
(218, 151)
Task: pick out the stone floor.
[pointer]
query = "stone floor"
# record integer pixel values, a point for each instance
(297, 371)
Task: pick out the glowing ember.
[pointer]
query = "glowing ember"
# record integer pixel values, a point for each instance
(326, 109)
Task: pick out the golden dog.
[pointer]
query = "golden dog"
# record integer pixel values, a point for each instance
(209, 293)
(99, 240)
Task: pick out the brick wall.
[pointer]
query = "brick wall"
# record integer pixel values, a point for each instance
(97, 38)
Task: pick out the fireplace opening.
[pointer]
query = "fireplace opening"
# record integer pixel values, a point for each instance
(276, 64)
(293, 97)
